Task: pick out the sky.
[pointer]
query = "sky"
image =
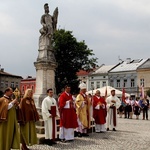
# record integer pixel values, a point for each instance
(113, 29)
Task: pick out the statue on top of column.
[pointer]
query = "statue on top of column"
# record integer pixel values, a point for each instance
(49, 22)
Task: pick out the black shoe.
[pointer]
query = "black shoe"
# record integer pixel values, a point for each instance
(85, 134)
(97, 132)
(70, 140)
(53, 142)
(114, 129)
(107, 129)
(79, 134)
(65, 141)
(76, 133)
(62, 140)
(48, 142)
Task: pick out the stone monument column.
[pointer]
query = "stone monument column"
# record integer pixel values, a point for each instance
(46, 63)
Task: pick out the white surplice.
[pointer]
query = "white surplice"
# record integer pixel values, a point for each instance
(46, 106)
(109, 118)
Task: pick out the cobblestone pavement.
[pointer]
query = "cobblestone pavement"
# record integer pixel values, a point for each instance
(131, 134)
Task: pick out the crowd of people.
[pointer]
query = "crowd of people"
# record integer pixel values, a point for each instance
(17, 119)
(132, 106)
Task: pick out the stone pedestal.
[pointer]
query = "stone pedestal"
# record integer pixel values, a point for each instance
(45, 70)
(45, 79)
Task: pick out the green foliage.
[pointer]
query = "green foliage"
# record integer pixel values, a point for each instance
(71, 57)
(148, 92)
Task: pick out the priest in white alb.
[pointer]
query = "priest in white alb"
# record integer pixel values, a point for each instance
(113, 103)
(50, 113)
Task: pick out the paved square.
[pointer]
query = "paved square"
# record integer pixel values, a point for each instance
(131, 134)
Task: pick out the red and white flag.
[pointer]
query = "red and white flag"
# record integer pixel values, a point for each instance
(123, 95)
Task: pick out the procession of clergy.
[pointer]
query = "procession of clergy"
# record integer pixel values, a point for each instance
(75, 115)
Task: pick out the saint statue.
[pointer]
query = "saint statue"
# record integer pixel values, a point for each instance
(48, 22)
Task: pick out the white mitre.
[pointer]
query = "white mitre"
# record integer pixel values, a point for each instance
(82, 86)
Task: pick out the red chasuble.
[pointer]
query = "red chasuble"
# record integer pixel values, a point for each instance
(99, 114)
(68, 117)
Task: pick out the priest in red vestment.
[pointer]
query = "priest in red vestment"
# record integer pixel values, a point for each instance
(99, 112)
(68, 117)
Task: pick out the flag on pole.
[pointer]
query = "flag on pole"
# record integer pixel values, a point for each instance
(142, 91)
(106, 92)
(123, 95)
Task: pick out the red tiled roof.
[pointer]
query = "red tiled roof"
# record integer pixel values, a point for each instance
(82, 73)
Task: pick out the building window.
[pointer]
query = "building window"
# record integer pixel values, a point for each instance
(12, 84)
(32, 87)
(98, 84)
(111, 83)
(16, 84)
(132, 83)
(104, 83)
(142, 82)
(6, 84)
(125, 83)
(118, 83)
(92, 85)
(2, 84)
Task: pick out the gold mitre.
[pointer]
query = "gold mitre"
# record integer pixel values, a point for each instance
(16, 93)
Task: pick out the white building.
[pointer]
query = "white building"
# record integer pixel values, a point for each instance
(99, 77)
(125, 75)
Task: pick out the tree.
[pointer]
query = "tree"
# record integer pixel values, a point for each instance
(71, 57)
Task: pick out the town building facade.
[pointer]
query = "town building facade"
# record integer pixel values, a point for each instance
(83, 77)
(8, 80)
(125, 76)
(29, 82)
(143, 76)
(99, 77)
(130, 74)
